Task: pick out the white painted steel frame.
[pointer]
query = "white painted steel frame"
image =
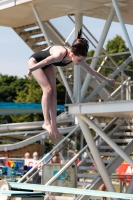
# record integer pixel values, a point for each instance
(95, 153)
(98, 51)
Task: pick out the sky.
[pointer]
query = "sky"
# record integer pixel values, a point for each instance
(14, 53)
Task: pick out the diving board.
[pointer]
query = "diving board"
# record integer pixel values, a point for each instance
(68, 190)
(122, 109)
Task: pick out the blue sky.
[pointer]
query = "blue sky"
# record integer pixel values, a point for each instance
(14, 53)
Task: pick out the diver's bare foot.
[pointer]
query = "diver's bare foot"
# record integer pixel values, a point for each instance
(56, 132)
(48, 127)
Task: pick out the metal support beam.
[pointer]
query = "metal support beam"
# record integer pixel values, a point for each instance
(96, 156)
(98, 51)
(107, 140)
(81, 141)
(77, 68)
(123, 25)
(122, 86)
(40, 24)
(128, 89)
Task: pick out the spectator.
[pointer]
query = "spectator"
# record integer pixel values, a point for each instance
(35, 155)
(27, 155)
(55, 158)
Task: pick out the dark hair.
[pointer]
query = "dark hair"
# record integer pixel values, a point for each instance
(80, 45)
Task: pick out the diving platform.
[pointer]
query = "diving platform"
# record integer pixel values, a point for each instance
(120, 109)
(19, 13)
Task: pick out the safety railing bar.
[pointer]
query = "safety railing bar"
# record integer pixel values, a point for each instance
(123, 90)
(115, 54)
(48, 154)
(69, 36)
(113, 93)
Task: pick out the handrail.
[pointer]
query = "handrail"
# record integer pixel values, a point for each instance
(124, 83)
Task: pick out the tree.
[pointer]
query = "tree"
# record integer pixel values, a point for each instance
(9, 87)
(117, 45)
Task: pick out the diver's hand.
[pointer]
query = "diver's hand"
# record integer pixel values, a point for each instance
(29, 73)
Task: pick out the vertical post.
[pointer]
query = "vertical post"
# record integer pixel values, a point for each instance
(123, 25)
(81, 141)
(98, 51)
(129, 189)
(77, 68)
(122, 85)
(96, 156)
(120, 185)
(75, 140)
(128, 89)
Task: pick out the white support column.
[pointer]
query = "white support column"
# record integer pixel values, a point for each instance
(122, 86)
(40, 24)
(77, 68)
(81, 141)
(123, 26)
(95, 153)
(107, 139)
(128, 88)
(97, 52)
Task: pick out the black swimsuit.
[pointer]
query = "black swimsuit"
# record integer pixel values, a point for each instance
(41, 55)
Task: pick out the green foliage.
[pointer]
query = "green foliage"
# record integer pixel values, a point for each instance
(117, 45)
(9, 85)
(31, 93)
